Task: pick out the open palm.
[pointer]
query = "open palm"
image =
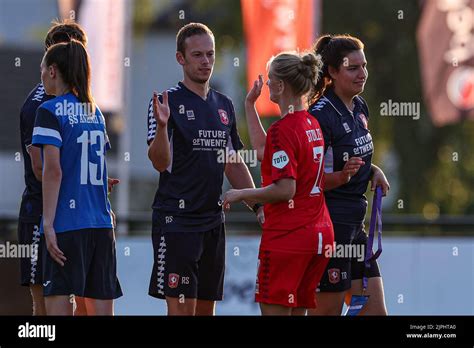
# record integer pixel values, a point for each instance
(161, 111)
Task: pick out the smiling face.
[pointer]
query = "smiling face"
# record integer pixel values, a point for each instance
(352, 74)
(198, 58)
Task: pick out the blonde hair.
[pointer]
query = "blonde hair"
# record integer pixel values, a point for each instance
(300, 71)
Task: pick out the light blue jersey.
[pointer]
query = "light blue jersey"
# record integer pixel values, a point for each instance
(66, 123)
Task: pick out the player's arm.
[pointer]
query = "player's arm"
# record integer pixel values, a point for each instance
(52, 177)
(256, 132)
(239, 177)
(159, 149)
(36, 163)
(378, 178)
(336, 179)
(279, 191)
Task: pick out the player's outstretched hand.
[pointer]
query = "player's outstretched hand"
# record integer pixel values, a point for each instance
(351, 167)
(256, 90)
(52, 246)
(379, 179)
(161, 111)
(231, 196)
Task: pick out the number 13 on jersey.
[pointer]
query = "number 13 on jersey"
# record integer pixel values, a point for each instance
(89, 168)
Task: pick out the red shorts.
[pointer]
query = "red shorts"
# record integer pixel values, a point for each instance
(290, 277)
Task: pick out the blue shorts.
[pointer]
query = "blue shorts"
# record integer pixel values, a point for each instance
(90, 269)
(188, 264)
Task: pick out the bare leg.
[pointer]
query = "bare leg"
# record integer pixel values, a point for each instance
(181, 306)
(39, 307)
(272, 309)
(328, 303)
(58, 305)
(99, 307)
(204, 307)
(376, 303)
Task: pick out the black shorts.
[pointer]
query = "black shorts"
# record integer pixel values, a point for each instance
(30, 267)
(90, 269)
(340, 271)
(188, 264)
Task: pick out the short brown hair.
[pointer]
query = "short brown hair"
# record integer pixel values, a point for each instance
(189, 30)
(63, 32)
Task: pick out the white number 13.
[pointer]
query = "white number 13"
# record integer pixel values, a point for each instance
(89, 168)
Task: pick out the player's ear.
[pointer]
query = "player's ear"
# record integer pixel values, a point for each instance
(52, 71)
(332, 72)
(180, 58)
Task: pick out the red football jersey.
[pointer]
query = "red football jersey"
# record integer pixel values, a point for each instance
(295, 149)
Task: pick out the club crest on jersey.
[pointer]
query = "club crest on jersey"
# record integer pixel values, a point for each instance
(173, 280)
(223, 116)
(280, 159)
(364, 120)
(334, 275)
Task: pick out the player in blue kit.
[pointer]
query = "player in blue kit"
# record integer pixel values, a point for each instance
(190, 129)
(31, 203)
(343, 116)
(79, 250)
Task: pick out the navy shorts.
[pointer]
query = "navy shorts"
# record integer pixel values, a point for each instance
(341, 270)
(188, 264)
(30, 267)
(90, 269)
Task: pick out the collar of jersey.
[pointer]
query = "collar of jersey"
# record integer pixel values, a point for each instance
(339, 105)
(182, 85)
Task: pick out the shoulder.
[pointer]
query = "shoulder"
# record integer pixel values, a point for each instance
(221, 97)
(324, 111)
(363, 104)
(51, 104)
(36, 96)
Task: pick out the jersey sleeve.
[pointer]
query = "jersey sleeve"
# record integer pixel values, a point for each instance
(281, 147)
(46, 130)
(235, 142)
(151, 122)
(324, 120)
(27, 121)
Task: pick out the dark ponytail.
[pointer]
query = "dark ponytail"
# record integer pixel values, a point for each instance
(72, 61)
(332, 50)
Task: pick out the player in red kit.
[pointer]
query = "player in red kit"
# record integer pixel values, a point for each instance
(297, 231)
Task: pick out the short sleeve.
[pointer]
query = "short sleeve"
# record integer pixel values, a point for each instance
(46, 130)
(27, 122)
(235, 140)
(281, 148)
(324, 121)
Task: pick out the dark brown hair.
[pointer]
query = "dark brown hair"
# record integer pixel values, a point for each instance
(189, 30)
(63, 32)
(72, 61)
(333, 50)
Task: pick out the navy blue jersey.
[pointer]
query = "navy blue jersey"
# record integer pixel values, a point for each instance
(82, 140)
(189, 192)
(346, 135)
(31, 202)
